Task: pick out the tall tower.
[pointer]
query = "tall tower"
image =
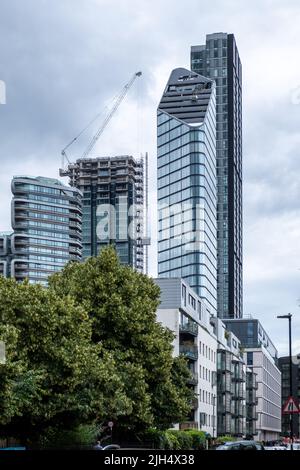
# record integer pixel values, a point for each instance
(187, 195)
(219, 60)
(113, 205)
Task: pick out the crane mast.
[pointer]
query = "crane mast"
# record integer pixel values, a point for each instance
(107, 119)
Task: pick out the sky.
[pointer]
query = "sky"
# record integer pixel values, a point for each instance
(63, 61)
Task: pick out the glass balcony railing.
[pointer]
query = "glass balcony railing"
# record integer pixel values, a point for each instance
(188, 425)
(193, 380)
(251, 383)
(189, 351)
(195, 403)
(189, 327)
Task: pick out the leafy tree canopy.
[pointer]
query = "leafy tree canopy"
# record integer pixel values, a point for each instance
(88, 349)
(122, 304)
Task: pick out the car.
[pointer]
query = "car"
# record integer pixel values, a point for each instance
(296, 446)
(277, 447)
(107, 447)
(241, 445)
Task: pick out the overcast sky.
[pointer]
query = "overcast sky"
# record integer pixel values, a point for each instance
(64, 60)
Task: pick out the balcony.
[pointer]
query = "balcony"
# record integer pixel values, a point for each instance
(188, 425)
(251, 398)
(251, 384)
(189, 327)
(223, 408)
(189, 350)
(194, 379)
(239, 376)
(224, 384)
(194, 403)
(238, 409)
(252, 414)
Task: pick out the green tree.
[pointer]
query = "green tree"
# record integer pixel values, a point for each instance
(122, 304)
(54, 374)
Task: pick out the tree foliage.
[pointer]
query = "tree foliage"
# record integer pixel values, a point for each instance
(122, 304)
(88, 349)
(54, 374)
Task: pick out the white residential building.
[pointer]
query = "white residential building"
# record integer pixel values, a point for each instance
(187, 315)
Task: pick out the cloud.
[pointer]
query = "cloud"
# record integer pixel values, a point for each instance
(63, 61)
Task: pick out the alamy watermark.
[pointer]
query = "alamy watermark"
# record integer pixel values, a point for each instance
(182, 223)
(2, 92)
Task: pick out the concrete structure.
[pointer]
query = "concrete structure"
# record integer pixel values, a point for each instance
(260, 355)
(219, 60)
(183, 312)
(186, 159)
(284, 366)
(251, 403)
(231, 379)
(46, 218)
(113, 205)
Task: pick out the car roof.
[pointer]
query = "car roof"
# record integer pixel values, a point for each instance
(240, 442)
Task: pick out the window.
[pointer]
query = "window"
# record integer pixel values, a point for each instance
(192, 301)
(199, 310)
(250, 358)
(184, 294)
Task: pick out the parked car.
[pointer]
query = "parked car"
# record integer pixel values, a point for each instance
(277, 447)
(296, 446)
(241, 445)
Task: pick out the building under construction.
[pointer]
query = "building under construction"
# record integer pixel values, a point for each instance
(113, 205)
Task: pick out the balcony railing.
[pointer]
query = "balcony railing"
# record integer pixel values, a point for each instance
(224, 408)
(195, 403)
(188, 425)
(189, 327)
(251, 382)
(239, 376)
(194, 379)
(189, 351)
(252, 414)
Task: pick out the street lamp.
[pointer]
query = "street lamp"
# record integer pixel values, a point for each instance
(289, 317)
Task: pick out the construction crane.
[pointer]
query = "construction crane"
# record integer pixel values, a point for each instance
(108, 117)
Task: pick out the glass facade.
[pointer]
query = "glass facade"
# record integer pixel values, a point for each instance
(46, 218)
(113, 202)
(186, 159)
(219, 60)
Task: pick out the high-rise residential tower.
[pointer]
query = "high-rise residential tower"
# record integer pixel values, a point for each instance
(186, 159)
(46, 218)
(219, 60)
(113, 205)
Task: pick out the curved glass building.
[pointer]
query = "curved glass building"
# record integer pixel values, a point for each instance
(187, 198)
(46, 218)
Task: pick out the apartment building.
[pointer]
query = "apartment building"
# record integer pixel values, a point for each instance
(187, 315)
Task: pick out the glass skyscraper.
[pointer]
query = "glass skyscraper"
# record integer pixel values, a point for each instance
(113, 205)
(46, 218)
(186, 158)
(219, 60)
